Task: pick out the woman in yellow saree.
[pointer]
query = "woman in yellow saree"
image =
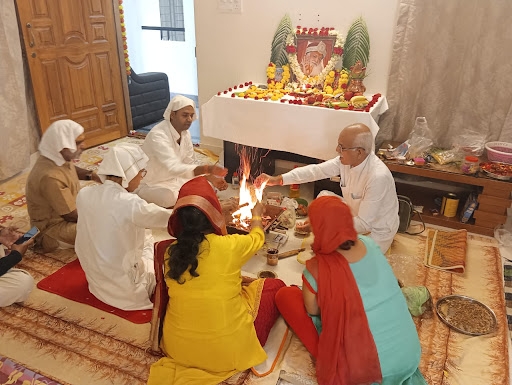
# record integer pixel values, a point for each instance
(214, 325)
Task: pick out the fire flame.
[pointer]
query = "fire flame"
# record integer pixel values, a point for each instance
(249, 195)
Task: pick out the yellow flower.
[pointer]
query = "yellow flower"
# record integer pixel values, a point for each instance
(331, 74)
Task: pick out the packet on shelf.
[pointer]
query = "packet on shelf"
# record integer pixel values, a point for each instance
(419, 161)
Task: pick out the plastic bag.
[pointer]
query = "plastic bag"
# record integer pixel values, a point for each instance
(470, 143)
(288, 217)
(447, 156)
(420, 139)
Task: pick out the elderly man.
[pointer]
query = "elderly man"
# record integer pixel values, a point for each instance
(171, 156)
(53, 184)
(15, 284)
(366, 183)
(312, 62)
(112, 243)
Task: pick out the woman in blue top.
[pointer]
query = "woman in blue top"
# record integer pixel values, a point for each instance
(351, 315)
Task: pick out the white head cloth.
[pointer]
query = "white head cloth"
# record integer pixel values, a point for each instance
(125, 161)
(320, 47)
(59, 135)
(177, 103)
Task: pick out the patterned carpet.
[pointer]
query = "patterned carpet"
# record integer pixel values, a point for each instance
(64, 340)
(71, 343)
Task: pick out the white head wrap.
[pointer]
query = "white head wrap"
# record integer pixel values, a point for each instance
(320, 47)
(58, 136)
(125, 161)
(177, 103)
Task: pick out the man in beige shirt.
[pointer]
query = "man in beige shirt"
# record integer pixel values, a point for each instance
(53, 184)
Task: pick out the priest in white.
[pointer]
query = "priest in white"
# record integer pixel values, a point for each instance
(366, 183)
(171, 156)
(112, 243)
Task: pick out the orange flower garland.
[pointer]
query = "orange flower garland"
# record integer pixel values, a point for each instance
(123, 36)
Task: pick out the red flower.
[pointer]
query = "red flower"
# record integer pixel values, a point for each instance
(344, 85)
(338, 50)
(269, 81)
(308, 85)
(298, 27)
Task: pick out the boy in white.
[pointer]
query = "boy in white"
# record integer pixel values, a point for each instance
(112, 243)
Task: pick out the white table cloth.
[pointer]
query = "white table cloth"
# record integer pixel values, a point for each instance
(300, 129)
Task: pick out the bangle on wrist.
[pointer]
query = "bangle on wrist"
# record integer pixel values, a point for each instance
(256, 218)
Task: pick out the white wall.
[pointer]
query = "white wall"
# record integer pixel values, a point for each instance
(150, 54)
(234, 48)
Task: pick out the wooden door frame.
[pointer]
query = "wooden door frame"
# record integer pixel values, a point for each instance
(124, 78)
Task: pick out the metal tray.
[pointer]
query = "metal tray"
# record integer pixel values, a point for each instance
(473, 306)
(496, 176)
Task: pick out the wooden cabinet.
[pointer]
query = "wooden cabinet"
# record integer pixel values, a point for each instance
(494, 196)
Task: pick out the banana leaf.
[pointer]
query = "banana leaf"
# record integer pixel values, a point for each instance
(357, 44)
(278, 48)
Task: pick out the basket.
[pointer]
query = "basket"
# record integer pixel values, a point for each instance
(499, 152)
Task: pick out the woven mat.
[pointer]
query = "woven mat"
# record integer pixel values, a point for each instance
(448, 357)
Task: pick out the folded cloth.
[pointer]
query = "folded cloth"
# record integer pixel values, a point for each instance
(446, 250)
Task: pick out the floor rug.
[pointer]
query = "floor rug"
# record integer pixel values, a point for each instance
(13, 373)
(70, 282)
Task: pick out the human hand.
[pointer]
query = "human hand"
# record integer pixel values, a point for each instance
(22, 249)
(229, 206)
(219, 183)
(303, 226)
(258, 209)
(246, 281)
(269, 180)
(218, 171)
(8, 236)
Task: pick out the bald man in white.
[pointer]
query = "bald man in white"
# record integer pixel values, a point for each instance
(367, 184)
(112, 243)
(171, 156)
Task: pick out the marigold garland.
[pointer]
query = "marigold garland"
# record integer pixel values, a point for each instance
(123, 36)
(291, 51)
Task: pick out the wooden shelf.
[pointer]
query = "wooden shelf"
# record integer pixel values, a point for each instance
(494, 196)
(425, 197)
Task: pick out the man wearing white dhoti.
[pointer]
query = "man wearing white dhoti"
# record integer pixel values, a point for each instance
(171, 156)
(366, 183)
(112, 243)
(15, 284)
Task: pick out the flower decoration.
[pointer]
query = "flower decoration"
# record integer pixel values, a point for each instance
(291, 51)
(123, 37)
(277, 80)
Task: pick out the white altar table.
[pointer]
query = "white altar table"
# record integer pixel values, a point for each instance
(300, 129)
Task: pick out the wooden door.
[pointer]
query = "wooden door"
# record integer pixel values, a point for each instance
(72, 52)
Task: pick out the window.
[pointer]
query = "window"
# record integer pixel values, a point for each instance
(172, 20)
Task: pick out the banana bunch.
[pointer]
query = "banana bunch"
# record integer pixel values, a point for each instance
(359, 101)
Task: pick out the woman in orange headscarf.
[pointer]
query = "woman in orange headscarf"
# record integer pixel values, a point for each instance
(214, 326)
(351, 315)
